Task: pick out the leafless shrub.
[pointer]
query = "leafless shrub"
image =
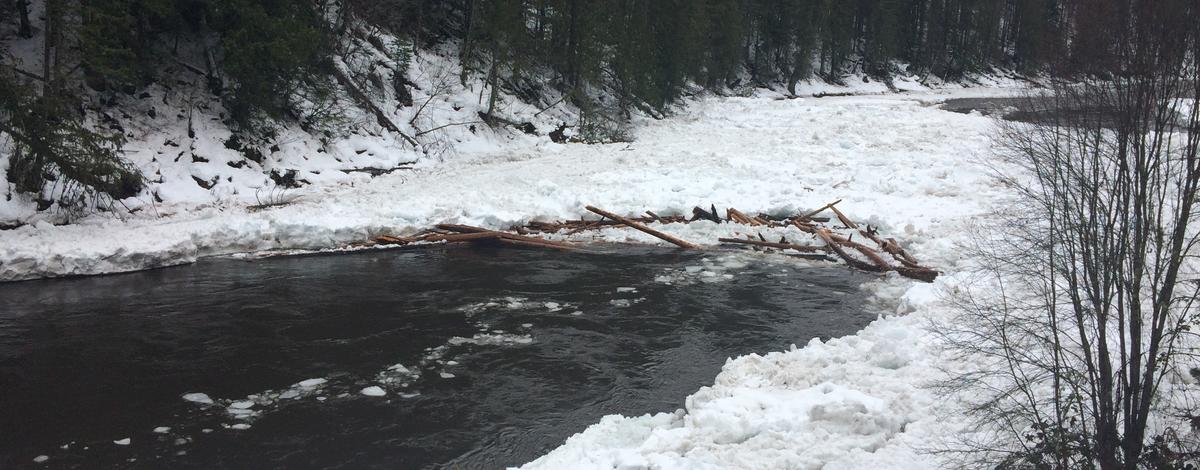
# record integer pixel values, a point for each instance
(272, 196)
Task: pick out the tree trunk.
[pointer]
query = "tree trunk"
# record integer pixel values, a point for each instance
(26, 30)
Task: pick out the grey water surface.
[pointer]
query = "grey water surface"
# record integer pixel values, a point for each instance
(88, 361)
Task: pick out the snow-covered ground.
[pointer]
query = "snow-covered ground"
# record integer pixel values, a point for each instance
(894, 160)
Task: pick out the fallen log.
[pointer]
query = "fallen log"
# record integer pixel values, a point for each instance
(781, 246)
(509, 238)
(737, 216)
(701, 214)
(918, 273)
(850, 260)
(822, 209)
(889, 246)
(842, 217)
(365, 101)
(643, 228)
(463, 237)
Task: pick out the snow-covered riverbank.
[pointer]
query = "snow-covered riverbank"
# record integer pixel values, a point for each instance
(894, 160)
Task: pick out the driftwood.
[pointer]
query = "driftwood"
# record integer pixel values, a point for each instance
(701, 214)
(781, 245)
(838, 243)
(639, 226)
(818, 211)
(509, 238)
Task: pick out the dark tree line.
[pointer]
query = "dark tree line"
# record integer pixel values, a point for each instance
(265, 59)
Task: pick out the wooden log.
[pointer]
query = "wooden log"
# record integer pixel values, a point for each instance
(643, 228)
(842, 217)
(390, 240)
(891, 247)
(739, 217)
(781, 246)
(463, 237)
(509, 238)
(850, 260)
(918, 273)
(701, 214)
(822, 209)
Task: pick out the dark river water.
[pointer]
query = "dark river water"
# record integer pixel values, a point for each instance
(486, 357)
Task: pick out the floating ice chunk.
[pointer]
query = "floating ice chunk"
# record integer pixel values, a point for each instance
(206, 430)
(123, 442)
(693, 269)
(527, 325)
(162, 430)
(240, 426)
(41, 458)
(577, 313)
(242, 405)
(553, 306)
(200, 398)
(446, 375)
(484, 339)
(312, 383)
(373, 391)
(452, 363)
(409, 395)
(619, 302)
(626, 289)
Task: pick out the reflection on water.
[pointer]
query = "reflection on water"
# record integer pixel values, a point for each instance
(483, 357)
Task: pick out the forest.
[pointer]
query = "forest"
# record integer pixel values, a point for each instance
(274, 61)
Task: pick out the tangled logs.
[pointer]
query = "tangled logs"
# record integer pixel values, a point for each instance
(835, 243)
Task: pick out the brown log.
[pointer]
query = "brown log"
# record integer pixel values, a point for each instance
(818, 211)
(741, 218)
(781, 246)
(701, 214)
(463, 237)
(850, 260)
(390, 240)
(842, 217)
(643, 228)
(509, 238)
(918, 273)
